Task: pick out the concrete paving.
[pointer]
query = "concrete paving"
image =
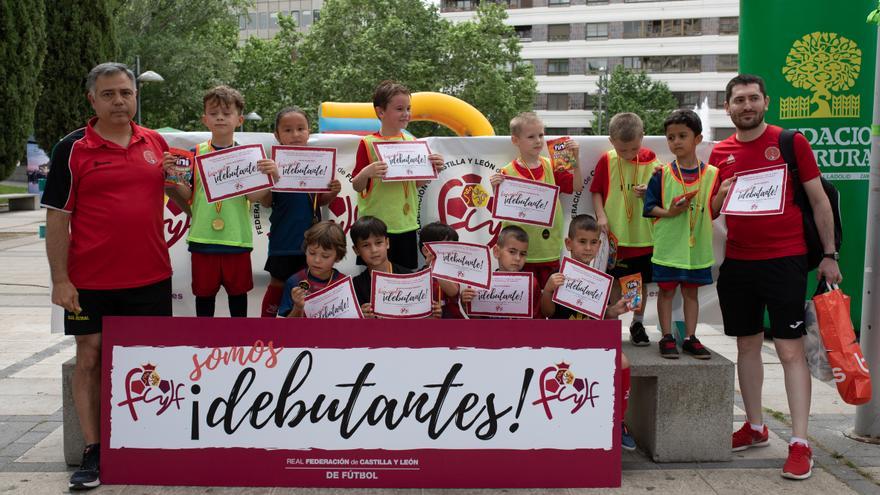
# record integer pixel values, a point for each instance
(32, 461)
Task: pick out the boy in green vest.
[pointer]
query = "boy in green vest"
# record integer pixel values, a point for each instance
(679, 198)
(545, 243)
(220, 234)
(395, 203)
(618, 186)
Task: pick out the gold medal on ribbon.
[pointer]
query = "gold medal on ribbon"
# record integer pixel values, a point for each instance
(217, 224)
(304, 285)
(545, 234)
(692, 241)
(406, 208)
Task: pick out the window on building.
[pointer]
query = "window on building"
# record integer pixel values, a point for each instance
(727, 63)
(720, 98)
(591, 101)
(252, 21)
(728, 25)
(595, 66)
(273, 19)
(632, 63)
(524, 33)
(263, 20)
(556, 131)
(597, 31)
(460, 4)
(242, 22)
(558, 32)
(558, 2)
(306, 18)
(597, 2)
(296, 17)
(557, 67)
(662, 28)
(316, 14)
(687, 99)
(557, 101)
(664, 64)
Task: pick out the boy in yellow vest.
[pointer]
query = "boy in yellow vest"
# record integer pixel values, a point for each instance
(679, 198)
(545, 243)
(395, 203)
(618, 186)
(220, 234)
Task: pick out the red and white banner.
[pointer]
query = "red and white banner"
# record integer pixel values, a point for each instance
(376, 405)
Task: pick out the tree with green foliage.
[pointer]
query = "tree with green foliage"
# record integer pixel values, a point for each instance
(265, 74)
(81, 36)
(633, 91)
(190, 43)
(358, 43)
(23, 31)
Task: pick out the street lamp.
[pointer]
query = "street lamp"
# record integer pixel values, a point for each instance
(142, 77)
(251, 116)
(603, 78)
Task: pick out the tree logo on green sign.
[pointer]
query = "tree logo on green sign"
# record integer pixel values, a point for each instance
(822, 63)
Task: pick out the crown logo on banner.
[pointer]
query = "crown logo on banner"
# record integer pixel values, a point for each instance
(824, 64)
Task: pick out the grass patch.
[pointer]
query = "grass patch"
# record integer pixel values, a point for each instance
(4, 189)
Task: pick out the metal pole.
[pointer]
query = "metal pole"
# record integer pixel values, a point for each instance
(868, 415)
(599, 117)
(137, 82)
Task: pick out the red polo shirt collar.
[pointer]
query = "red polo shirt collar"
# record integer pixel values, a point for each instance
(94, 140)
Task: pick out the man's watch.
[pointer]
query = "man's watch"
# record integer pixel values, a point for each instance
(834, 256)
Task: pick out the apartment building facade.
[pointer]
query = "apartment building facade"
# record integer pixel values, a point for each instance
(262, 18)
(689, 44)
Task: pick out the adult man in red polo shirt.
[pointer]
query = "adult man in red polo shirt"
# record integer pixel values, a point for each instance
(104, 235)
(765, 267)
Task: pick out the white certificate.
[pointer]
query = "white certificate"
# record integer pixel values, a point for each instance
(334, 301)
(758, 192)
(401, 296)
(406, 160)
(525, 201)
(585, 289)
(461, 262)
(232, 172)
(304, 169)
(509, 296)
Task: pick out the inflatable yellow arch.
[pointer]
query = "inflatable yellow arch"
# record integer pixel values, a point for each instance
(456, 114)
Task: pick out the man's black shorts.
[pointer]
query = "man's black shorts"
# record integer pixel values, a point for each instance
(282, 267)
(149, 300)
(631, 266)
(746, 288)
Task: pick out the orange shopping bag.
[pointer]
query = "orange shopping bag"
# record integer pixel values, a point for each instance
(844, 353)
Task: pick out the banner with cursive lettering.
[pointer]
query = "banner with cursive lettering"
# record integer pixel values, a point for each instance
(585, 290)
(510, 295)
(757, 192)
(304, 168)
(381, 404)
(396, 295)
(334, 301)
(461, 262)
(406, 160)
(232, 172)
(525, 201)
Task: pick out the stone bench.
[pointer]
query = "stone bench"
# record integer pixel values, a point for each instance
(680, 410)
(19, 202)
(73, 439)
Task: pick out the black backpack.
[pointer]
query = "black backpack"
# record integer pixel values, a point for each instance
(811, 232)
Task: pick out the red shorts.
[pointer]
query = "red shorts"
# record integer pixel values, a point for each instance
(670, 286)
(232, 271)
(542, 271)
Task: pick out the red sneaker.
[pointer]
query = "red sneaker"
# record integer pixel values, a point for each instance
(799, 465)
(746, 437)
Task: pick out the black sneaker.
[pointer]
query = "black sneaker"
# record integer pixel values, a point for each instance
(86, 477)
(637, 334)
(693, 347)
(668, 348)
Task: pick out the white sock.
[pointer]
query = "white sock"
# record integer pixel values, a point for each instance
(758, 428)
(638, 318)
(795, 440)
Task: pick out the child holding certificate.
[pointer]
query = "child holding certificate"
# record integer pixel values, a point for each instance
(583, 243)
(511, 250)
(221, 234)
(369, 236)
(679, 199)
(324, 245)
(395, 203)
(618, 186)
(527, 135)
(292, 214)
(446, 291)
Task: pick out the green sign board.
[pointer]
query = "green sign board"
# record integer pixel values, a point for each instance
(817, 59)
